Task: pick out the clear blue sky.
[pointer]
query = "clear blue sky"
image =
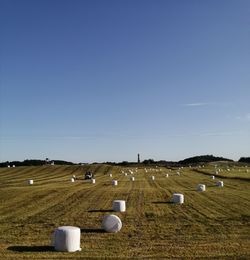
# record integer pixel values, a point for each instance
(99, 80)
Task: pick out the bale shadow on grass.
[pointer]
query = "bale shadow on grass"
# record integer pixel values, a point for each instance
(101, 210)
(162, 202)
(92, 230)
(31, 248)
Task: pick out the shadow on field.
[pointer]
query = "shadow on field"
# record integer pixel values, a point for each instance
(31, 248)
(101, 210)
(92, 230)
(162, 202)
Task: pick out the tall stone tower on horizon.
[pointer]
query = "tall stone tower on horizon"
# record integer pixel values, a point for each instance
(138, 160)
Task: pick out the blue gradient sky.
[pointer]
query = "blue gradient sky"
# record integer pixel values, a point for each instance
(104, 80)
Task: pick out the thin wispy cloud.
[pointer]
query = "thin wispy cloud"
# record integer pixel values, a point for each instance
(206, 134)
(203, 104)
(198, 104)
(245, 118)
(221, 133)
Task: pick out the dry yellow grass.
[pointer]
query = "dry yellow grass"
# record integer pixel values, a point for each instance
(212, 224)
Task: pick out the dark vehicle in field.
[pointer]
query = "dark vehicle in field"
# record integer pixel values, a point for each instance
(88, 175)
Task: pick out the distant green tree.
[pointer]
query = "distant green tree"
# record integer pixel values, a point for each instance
(244, 159)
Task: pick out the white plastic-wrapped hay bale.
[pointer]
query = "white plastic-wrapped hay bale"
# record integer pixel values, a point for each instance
(110, 175)
(178, 198)
(178, 173)
(119, 205)
(201, 187)
(8, 166)
(67, 239)
(30, 182)
(93, 181)
(111, 223)
(132, 178)
(114, 182)
(167, 175)
(219, 183)
(13, 165)
(74, 176)
(72, 179)
(152, 178)
(212, 177)
(125, 174)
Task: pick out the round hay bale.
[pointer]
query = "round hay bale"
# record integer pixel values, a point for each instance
(178, 198)
(74, 176)
(167, 175)
(110, 175)
(201, 187)
(72, 179)
(152, 178)
(13, 166)
(111, 223)
(67, 239)
(178, 173)
(93, 181)
(8, 166)
(114, 182)
(219, 183)
(212, 177)
(119, 205)
(132, 178)
(30, 182)
(125, 174)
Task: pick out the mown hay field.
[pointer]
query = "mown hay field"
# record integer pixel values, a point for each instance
(214, 223)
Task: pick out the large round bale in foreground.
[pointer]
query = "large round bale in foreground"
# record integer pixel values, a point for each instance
(178, 198)
(67, 239)
(114, 182)
(219, 183)
(30, 182)
(119, 205)
(111, 223)
(201, 187)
